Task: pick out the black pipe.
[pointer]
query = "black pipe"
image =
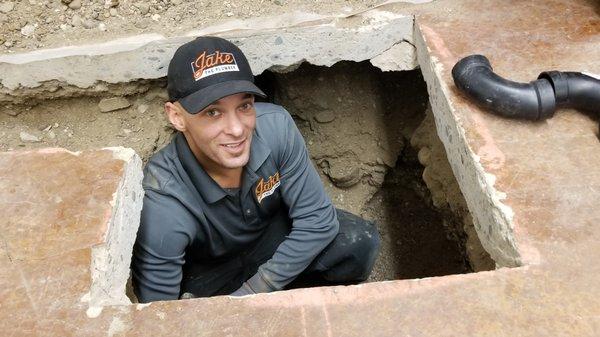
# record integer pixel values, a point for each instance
(474, 76)
(535, 100)
(574, 90)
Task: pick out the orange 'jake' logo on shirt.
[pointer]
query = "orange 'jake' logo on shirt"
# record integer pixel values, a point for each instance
(266, 188)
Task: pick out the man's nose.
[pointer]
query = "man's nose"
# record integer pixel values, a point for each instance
(234, 124)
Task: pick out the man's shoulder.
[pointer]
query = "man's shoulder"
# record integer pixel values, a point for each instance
(161, 168)
(270, 112)
(271, 118)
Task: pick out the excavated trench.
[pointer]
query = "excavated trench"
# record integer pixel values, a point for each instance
(370, 134)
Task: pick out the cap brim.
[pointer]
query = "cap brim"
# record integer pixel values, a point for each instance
(197, 101)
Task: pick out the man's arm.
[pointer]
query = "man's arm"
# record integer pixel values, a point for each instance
(159, 251)
(314, 221)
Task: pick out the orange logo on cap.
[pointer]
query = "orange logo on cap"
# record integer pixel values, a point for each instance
(217, 62)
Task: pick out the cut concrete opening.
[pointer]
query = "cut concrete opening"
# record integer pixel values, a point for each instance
(372, 138)
(370, 133)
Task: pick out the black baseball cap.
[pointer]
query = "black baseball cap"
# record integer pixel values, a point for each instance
(207, 69)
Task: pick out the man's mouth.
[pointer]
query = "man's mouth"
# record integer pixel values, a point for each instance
(234, 147)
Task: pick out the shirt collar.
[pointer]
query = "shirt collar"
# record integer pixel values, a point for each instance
(208, 188)
(205, 185)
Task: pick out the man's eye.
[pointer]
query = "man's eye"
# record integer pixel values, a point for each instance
(246, 106)
(212, 113)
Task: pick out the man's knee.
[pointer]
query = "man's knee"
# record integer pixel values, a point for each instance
(356, 249)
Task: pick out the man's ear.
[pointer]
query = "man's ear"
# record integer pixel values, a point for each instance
(175, 115)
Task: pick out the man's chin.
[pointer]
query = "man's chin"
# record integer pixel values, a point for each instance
(233, 163)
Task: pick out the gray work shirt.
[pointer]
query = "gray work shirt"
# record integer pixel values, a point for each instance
(187, 216)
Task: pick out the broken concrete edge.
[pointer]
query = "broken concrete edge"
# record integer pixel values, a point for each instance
(493, 220)
(111, 259)
(377, 34)
(319, 296)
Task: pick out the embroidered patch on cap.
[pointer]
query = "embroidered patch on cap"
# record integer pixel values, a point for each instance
(215, 63)
(266, 188)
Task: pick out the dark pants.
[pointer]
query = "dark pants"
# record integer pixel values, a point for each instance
(349, 258)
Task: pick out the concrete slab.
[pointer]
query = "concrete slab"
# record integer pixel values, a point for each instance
(277, 43)
(531, 187)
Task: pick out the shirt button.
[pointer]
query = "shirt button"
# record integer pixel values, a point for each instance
(248, 211)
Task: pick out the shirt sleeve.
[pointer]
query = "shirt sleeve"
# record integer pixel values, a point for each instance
(314, 221)
(159, 251)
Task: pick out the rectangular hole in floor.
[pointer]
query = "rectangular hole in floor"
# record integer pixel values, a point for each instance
(371, 137)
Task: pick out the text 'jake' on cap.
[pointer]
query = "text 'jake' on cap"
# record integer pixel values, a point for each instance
(207, 69)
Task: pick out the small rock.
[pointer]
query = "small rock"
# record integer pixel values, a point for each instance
(28, 138)
(51, 134)
(107, 15)
(127, 131)
(155, 17)
(142, 24)
(6, 7)
(66, 1)
(230, 14)
(27, 30)
(144, 8)
(89, 24)
(11, 112)
(75, 4)
(343, 173)
(113, 12)
(112, 3)
(76, 21)
(326, 116)
(278, 2)
(424, 156)
(8, 44)
(112, 104)
(142, 108)
(102, 26)
(63, 26)
(176, 2)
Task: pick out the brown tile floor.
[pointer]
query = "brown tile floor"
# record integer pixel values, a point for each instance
(548, 170)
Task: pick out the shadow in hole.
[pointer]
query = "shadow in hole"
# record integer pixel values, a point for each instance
(418, 237)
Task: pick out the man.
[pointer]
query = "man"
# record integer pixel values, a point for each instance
(233, 205)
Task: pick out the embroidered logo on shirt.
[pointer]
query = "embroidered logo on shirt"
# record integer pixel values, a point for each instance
(266, 188)
(215, 63)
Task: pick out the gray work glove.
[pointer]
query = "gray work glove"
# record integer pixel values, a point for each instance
(243, 290)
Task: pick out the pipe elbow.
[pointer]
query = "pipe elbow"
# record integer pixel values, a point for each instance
(475, 77)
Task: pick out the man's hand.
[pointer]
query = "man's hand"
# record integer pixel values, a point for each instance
(243, 290)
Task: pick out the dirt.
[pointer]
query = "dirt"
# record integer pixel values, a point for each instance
(33, 24)
(77, 124)
(358, 123)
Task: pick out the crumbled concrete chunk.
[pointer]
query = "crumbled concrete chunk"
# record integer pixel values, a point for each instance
(112, 104)
(28, 138)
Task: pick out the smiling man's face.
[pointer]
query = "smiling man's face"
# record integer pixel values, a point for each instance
(220, 135)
